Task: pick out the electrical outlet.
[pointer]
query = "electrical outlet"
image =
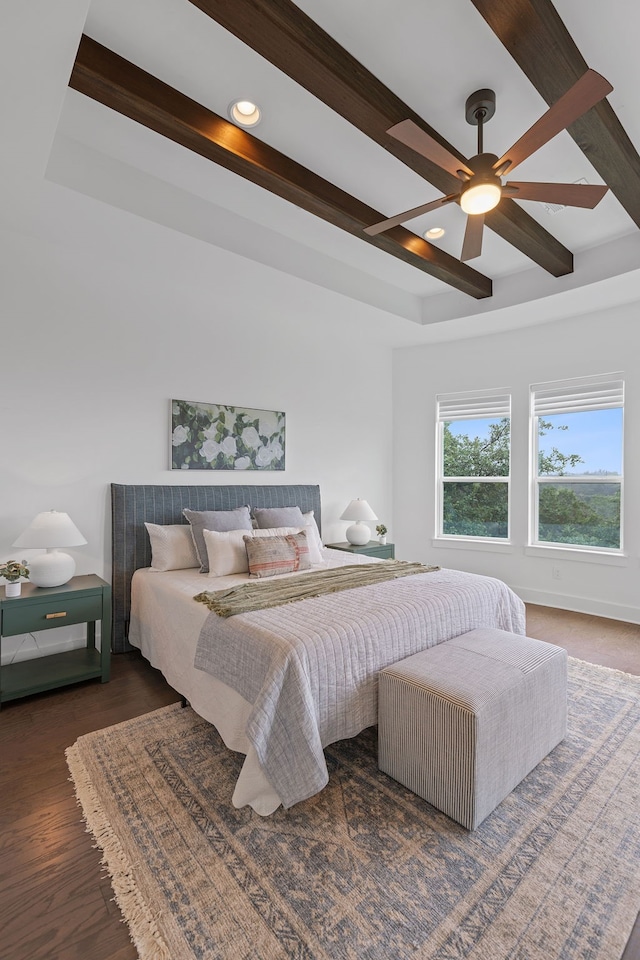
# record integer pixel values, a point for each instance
(555, 572)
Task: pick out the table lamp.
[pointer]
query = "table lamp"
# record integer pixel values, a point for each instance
(360, 511)
(51, 530)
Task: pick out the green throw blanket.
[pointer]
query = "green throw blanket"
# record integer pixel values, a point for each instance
(260, 596)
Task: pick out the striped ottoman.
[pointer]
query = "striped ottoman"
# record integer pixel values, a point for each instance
(463, 722)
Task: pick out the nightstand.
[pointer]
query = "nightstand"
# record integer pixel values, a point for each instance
(385, 551)
(84, 599)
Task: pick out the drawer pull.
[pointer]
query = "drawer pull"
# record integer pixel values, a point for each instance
(54, 616)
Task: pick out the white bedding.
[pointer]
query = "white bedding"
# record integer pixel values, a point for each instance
(166, 624)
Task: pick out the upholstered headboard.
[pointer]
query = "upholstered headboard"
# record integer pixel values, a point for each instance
(132, 505)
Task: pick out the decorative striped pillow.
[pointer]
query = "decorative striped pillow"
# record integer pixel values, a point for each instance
(269, 556)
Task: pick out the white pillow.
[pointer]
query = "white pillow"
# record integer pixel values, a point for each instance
(171, 546)
(226, 552)
(313, 537)
(310, 528)
(275, 531)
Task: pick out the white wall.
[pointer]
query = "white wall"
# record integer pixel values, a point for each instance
(601, 342)
(106, 317)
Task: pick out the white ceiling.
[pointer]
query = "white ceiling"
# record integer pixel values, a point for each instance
(431, 54)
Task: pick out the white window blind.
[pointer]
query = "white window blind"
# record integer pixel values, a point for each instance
(473, 406)
(574, 396)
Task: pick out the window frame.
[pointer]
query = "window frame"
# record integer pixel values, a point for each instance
(492, 404)
(574, 395)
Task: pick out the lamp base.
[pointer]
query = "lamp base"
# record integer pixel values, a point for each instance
(358, 534)
(51, 569)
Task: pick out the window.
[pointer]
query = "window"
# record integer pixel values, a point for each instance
(577, 463)
(474, 442)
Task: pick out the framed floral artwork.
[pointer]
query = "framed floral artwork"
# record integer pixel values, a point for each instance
(211, 436)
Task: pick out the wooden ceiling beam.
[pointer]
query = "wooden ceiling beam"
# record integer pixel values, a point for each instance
(104, 76)
(537, 39)
(280, 32)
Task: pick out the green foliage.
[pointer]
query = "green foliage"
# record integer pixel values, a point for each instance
(12, 570)
(587, 514)
(465, 456)
(476, 510)
(381, 530)
(579, 514)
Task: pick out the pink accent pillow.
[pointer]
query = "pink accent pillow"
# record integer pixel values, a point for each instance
(269, 556)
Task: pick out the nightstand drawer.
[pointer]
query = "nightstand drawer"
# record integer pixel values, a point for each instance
(384, 551)
(51, 612)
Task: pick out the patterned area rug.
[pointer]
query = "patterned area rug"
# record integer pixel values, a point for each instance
(366, 870)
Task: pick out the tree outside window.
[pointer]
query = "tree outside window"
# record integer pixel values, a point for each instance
(474, 456)
(578, 479)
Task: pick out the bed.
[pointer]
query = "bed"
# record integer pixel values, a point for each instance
(281, 684)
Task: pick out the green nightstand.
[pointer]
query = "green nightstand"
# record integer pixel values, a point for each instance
(385, 551)
(85, 599)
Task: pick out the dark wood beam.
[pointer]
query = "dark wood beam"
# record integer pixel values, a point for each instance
(104, 76)
(541, 45)
(280, 32)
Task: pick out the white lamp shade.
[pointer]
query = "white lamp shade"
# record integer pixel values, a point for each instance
(359, 533)
(359, 510)
(50, 530)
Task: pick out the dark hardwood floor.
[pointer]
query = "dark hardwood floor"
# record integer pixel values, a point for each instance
(55, 900)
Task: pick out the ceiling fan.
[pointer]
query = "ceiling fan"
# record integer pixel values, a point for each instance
(482, 187)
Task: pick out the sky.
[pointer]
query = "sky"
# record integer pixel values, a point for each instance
(595, 435)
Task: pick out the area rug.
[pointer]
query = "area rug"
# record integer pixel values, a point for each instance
(365, 870)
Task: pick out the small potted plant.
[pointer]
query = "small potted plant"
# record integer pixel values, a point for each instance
(12, 570)
(381, 530)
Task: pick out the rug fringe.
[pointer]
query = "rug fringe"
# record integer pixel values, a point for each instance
(142, 925)
(612, 671)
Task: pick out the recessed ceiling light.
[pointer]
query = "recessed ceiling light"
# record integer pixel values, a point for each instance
(434, 233)
(244, 112)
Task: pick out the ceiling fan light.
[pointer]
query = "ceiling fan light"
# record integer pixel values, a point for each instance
(480, 197)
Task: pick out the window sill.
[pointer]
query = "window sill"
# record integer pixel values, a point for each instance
(460, 543)
(582, 556)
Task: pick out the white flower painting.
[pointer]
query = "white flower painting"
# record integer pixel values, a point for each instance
(210, 436)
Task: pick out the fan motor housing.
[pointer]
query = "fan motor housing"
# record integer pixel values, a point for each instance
(482, 165)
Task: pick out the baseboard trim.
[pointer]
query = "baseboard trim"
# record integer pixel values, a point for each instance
(32, 650)
(596, 608)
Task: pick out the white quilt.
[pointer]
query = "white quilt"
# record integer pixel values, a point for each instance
(310, 668)
(328, 689)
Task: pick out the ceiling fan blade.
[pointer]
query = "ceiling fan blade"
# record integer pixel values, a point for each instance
(413, 136)
(472, 244)
(566, 194)
(408, 215)
(589, 90)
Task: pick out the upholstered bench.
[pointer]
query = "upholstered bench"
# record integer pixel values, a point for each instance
(462, 723)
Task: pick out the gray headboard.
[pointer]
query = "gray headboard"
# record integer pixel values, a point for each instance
(132, 505)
